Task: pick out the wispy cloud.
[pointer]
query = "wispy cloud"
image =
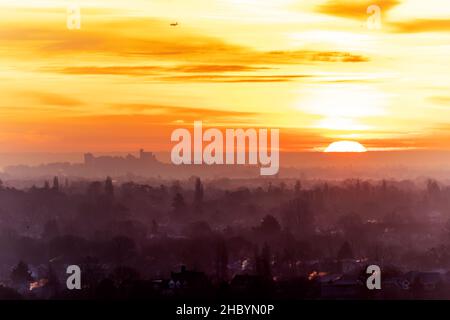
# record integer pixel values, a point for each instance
(354, 9)
(150, 39)
(152, 70)
(51, 99)
(175, 113)
(441, 100)
(234, 79)
(421, 25)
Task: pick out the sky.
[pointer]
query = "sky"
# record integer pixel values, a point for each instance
(320, 70)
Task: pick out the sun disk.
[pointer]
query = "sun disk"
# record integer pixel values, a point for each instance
(345, 146)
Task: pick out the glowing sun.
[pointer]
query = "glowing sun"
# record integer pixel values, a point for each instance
(345, 146)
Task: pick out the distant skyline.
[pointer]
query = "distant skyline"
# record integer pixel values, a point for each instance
(406, 158)
(127, 78)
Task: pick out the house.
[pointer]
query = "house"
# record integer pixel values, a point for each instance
(187, 279)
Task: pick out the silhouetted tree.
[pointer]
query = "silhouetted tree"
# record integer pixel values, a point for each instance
(299, 217)
(346, 251)
(297, 187)
(93, 272)
(53, 282)
(20, 274)
(176, 187)
(266, 262)
(384, 186)
(94, 190)
(9, 294)
(269, 225)
(198, 196)
(352, 225)
(109, 187)
(123, 249)
(163, 191)
(178, 204)
(55, 184)
(222, 261)
(433, 187)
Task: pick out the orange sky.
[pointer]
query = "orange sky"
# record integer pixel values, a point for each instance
(127, 78)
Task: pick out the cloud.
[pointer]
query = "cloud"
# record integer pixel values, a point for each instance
(109, 70)
(120, 37)
(148, 39)
(217, 68)
(174, 113)
(338, 57)
(234, 79)
(421, 25)
(152, 70)
(357, 9)
(302, 56)
(442, 100)
(213, 73)
(354, 9)
(86, 11)
(185, 73)
(435, 137)
(51, 99)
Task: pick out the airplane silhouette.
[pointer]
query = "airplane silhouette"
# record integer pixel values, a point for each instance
(174, 24)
